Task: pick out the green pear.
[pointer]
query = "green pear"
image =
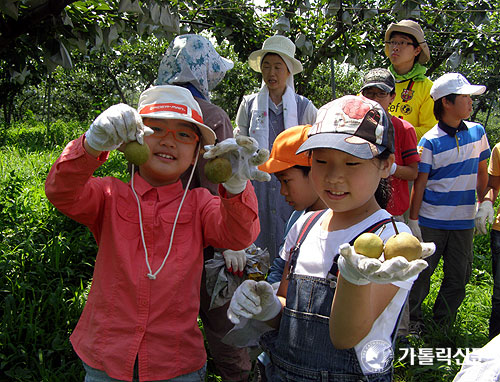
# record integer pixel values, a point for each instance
(218, 170)
(136, 153)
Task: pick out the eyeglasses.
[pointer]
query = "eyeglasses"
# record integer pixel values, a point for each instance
(182, 136)
(373, 94)
(402, 44)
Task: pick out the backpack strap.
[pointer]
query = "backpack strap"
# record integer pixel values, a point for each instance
(306, 227)
(373, 228)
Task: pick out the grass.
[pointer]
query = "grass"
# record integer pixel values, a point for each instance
(46, 264)
(469, 331)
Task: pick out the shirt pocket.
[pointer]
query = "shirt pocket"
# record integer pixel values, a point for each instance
(128, 220)
(184, 229)
(257, 119)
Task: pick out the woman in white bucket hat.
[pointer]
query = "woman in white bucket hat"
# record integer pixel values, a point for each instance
(263, 116)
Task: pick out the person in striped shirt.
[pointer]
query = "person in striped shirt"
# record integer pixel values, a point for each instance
(453, 168)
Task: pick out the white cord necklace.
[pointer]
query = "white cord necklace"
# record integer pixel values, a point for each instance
(151, 275)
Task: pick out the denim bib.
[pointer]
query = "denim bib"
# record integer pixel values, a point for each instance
(301, 350)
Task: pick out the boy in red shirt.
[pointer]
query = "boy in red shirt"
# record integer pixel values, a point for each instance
(379, 85)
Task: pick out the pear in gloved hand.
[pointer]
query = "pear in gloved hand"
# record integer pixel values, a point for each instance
(361, 270)
(136, 153)
(369, 245)
(116, 125)
(218, 170)
(244, 155)
(403, 244)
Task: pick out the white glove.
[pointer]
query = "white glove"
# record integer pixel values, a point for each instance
(235, 261)
(114, 126)
(361, 270)
(255, 300)
(244, 154)
(485, 213)
(415, 229)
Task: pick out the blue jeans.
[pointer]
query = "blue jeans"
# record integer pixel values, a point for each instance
(94, 375)
(495, 298)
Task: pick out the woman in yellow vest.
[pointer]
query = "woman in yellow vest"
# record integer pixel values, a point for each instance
(407, 50)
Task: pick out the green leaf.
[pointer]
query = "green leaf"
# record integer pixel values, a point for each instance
(9, 7)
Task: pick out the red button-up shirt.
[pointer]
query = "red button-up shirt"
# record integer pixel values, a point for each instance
(127, 315)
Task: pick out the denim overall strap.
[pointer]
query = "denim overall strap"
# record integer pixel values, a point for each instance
(306, 227)
(301, 350)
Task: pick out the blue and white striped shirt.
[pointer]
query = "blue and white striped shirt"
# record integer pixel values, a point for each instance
(452, 164)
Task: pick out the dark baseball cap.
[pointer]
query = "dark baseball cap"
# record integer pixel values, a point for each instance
(379, 78)
(355, 125)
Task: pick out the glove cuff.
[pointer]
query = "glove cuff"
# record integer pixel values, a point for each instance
(235, 188)
(485, 203)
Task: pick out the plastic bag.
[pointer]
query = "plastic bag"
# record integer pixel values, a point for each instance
(221, 283)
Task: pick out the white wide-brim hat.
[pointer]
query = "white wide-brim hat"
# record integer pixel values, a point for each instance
(412, 28)
(280, 45)
(174, 102)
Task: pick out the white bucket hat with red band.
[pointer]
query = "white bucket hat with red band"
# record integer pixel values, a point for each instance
(174, 102)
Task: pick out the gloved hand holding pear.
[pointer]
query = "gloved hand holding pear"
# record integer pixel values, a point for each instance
(402, 258)
(120, 124)
(234, 161)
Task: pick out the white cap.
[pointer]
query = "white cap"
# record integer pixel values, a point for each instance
(454, 83)
(174, 102)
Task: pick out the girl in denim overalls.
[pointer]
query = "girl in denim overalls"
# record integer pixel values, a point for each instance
(333, 327)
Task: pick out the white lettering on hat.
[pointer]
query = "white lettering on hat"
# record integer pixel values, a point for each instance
(176, 108)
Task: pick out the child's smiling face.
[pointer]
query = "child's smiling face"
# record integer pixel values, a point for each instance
(170, 156)
(346, 183)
